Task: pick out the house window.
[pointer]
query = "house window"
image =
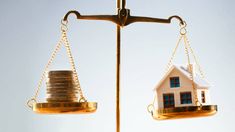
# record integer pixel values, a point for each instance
(168, 100)
(186, 98)
(203, 97)
(174, 82)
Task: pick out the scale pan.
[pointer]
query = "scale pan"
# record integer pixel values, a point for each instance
(185, 112)
(65, 107)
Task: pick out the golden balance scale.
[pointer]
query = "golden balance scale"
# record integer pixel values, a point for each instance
(63, 86)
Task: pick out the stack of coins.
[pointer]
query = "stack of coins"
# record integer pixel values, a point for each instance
(61, 86)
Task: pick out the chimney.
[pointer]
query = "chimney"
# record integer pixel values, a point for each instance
(190, 68)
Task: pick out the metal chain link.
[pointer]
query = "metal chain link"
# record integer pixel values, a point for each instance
(71, 60)
(169, 64)
(191, 72)
(57, 48)
(151, 107)
(195, 58)
(64, 40)
(187, 47)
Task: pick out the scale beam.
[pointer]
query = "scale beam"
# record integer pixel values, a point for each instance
(123, 18)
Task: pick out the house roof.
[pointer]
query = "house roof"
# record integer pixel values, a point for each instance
(197, 80)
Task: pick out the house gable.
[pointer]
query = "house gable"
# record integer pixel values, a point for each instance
(164, 87)
(185, 82)
(199, 82)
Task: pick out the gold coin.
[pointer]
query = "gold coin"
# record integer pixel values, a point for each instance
(61, 76)
(61, 100)
(61, 88)
(68, 83)
(59, 79)
(61, 85)
(57, 82)
(64, 97)
(60, 72)
(62, 91)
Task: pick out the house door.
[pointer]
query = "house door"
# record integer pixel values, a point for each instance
(168, 100)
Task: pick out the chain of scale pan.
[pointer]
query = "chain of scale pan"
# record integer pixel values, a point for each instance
(191, 72)
(187, 46)
(63, 39)
(151, 107)
(169, 64)
(57, 48)
(195, 58)
(183, 32)
(71, 60)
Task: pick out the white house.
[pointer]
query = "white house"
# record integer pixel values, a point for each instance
(176, 90)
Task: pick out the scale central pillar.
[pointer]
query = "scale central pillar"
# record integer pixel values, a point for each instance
(118, 64)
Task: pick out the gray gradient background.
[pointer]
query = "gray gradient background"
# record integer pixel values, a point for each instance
(30, 29)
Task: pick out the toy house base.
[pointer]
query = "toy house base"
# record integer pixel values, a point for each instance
(184, 112)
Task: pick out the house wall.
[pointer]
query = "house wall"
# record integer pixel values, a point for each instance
(185, 86)
(207, 96)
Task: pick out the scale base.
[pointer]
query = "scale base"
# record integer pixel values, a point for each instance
(65, 107)
(185, 112)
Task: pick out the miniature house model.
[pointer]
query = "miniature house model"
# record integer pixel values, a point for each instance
(176, 89)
